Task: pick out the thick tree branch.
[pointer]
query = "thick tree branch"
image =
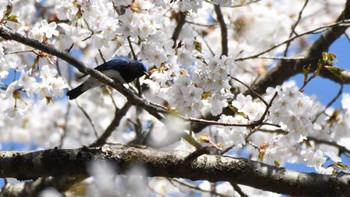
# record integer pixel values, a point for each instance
(73, 162)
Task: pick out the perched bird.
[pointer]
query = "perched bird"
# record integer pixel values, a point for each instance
(121, 70)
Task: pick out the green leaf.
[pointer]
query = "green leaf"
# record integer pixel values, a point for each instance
(13, 18)
(277, 163)
(198, 46)
(306, 70)
(328, 58)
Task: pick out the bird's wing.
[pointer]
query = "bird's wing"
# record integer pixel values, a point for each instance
(113, 64)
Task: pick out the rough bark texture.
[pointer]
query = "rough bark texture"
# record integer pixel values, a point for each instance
(74, 162)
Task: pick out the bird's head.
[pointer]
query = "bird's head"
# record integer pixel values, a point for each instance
(134, 69)
(141, 67)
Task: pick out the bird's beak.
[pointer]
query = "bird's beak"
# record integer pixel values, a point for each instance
(146, 73)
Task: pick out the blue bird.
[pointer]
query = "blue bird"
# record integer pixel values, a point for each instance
(121, 70)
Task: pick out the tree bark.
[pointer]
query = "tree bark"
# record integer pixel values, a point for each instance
(74, 162)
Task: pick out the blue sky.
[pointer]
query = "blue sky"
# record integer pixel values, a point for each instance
(324, 89)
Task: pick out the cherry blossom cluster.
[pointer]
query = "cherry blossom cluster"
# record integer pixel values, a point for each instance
(295, 137)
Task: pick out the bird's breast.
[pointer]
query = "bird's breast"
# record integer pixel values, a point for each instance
(114, 74)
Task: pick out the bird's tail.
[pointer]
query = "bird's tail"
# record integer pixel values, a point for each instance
(74, 93)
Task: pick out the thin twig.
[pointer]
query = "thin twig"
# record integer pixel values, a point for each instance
(227, 149)
(194, 187)
(249, 88)
(118, 115)
(132, 49)
(177, 30)
(199, 24)
(252, 132)
(214, 122)
(238, 5)
(316, 30)
(281, 58)
(347, 36)
(137, 128)
(113, 101)
(330, 103)
(295, 26)
(310, 138)
(223, 28)
(137, 81)
(334, 144)
(88, 27)
(23, 51)
(65, 130)
(59, 72)
(87, 117)
(238, 190)
(101, 55)
(252, 124)
(157, 194)
(205, 42)
(253, 145)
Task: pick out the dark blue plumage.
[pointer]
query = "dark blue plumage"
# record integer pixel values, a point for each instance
(120, 70)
